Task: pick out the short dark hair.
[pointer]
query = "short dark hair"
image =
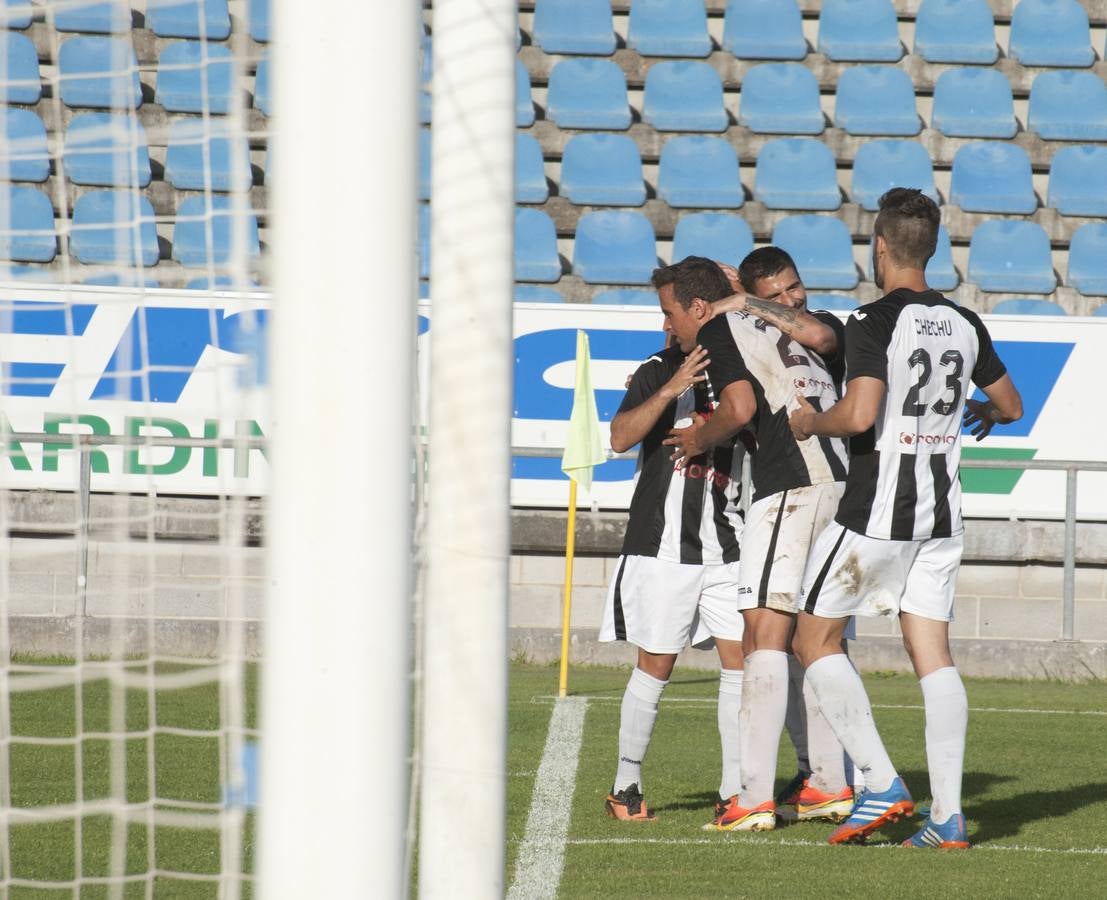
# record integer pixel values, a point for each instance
(908, 221)
(692, 277)
(764, 262)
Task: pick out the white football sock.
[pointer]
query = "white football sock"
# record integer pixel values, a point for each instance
(845, 706)
(730, 709)
(764, 699)
(795, 718)
(947, 719)
(828, 770)
(639, 712)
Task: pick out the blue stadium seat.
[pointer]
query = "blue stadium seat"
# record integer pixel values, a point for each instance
(574, 26)
(425, 69)
(588, 93)
(200, 19)
(537, 293)
(876, 100)
(699, 171)
(530, 173)
(258, 16)
(422, 242)
(1088, 259)
(107, 149)
(217, 160)
(1068, 106)
(94, 18)
(524, 105)
(832, 302)
(24, 155)
(722, 236)
(103, 229)
(625, 297)
(1050, 33)
(181, 70)
(974, 102)
(425, 162)
(822, 249)
(1078, 181)
(218, 283)
(100, 72)
(20, 76)
(992, 176)
(940, 273)
(1027, 306)
(536, 256)
(30, 236)
(956, 31)
(781, 98)
(668, 28)
(15, 14)
(263, 101)
(117, 279)
(796, 173)
(859, 31)
(602, 170)
(684, 96)
(764, 29)
(880, 165)
(196, 217)
(1100, 311)
(614, 247)
(1008, 255)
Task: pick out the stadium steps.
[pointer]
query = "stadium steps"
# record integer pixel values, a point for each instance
(155, 119)
(162, 196)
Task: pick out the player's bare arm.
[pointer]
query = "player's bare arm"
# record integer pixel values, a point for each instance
(1003, 406)
(736, 407)
(854, 413)
(632, 425)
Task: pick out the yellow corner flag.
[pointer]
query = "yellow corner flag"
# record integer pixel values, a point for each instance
(583, 444)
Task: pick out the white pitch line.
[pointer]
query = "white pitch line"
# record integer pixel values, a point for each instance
(791, 842)
(542, 852)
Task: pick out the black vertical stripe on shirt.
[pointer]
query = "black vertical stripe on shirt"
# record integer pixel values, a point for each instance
(943, 520)
(620, 622)
(691, 516)
(817, 584)
(837, 469)
(724, 530)
(763, 589)
(907, 496)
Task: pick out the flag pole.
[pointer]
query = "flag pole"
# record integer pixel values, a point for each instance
(567, 593)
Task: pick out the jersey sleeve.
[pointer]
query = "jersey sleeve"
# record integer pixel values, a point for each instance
(727, 365)
(646, 381)
(989, 367)
(867, 334)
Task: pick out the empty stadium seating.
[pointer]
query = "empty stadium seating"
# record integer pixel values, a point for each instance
(574, 26)
(422, 242)
(876, 100)
(614, 247)
(956, 31)
(589, 93)
(106, 149)
(536, 256)
(30, 225)
(537, 293)
(764, 29)
(974, 102)
(93, 18)
(626, 297)
(880, 165)
(24, 155)
(602, 170)
(1078, 181)
(859, 30)
(684, 96)
(258, 13)
(204, 156)
(821, 248)
(15, 14)
(796, 173)
(1088, 259)
(425, 163)
(1027, 306)
(668, 28)
(114, 227)
(530, 174)
(20, 73)
(203, 231)
(940, 273)
(263, 100)
(195, 77)
(524, 105)
(207, 19)
(781, 98)
(832, 302)
(1008, 255)
(1069, 106)
(100, 72)
(1050, 33)
(699, 171)
(722, 236)
(990, 176)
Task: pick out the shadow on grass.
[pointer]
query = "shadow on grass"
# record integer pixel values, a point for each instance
(1006, 817)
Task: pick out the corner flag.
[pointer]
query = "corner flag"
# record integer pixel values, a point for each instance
(583, 444)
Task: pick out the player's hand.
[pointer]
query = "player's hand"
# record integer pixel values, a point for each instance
(731, 274)
(802, 419)
(689, 372)
(981, 414)
(685, 442)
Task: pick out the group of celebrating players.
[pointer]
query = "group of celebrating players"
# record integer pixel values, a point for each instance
(855, 510)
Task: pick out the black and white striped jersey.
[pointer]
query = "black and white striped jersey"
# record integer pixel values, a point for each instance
(903, 482)
(835, 364)
(742, 347)
(688, 515)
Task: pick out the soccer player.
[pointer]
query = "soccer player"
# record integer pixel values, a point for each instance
(755, 371)
(895, 545)
(677, 577)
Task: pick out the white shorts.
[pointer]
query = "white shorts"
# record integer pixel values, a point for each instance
(852, 574)
(660, 606)
(776, 540)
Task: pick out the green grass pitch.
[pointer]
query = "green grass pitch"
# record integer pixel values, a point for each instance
(1035, 797)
